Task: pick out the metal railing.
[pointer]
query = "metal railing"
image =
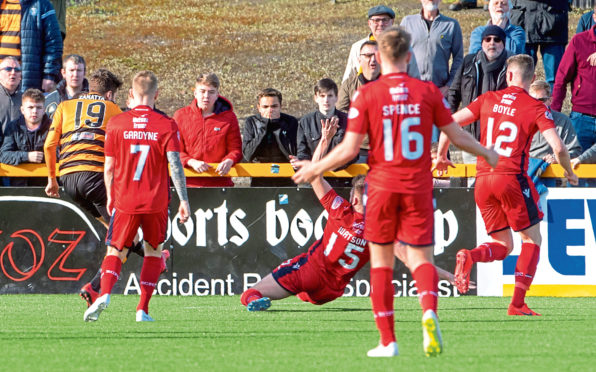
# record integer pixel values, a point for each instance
(286, 170)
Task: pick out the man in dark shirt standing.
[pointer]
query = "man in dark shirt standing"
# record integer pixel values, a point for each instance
(269, 136)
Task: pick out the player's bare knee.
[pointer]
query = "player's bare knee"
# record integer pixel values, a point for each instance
(151, 251)
(531, 235)
(112, 251)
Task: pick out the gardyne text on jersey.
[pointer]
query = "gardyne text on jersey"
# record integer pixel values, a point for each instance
(401, 108)
(140, 135)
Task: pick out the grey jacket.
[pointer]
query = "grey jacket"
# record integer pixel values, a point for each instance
(10, 108)
(434, 48)
(540, 148)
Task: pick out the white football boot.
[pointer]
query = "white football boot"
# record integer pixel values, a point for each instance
(142, 316)
(384, 351)
(93, 311)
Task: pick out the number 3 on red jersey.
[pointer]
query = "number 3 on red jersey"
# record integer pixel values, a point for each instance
(408, 137)
(501, 140)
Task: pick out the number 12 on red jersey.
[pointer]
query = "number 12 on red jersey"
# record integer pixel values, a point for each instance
(501, 140)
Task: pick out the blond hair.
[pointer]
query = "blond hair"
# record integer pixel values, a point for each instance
(145, 83)
(524, 64)
(394, 43)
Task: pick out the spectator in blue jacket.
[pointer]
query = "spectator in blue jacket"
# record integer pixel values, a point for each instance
(586, 21)
(24, 138)
(41, 45)
(499, 16)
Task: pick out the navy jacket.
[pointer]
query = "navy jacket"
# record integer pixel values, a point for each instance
(41, 43)
(15, 147)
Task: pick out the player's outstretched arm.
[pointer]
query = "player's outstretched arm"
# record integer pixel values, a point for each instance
(464, 117)
(340, 155)
(561, 153)
(465, 141)
(328, 129)
(179, 180)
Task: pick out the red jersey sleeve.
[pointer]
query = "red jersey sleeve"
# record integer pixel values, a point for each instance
(544, 119)
(441, 110)
(357, 115)
(173, 138)
(475, 106)
(334, 204)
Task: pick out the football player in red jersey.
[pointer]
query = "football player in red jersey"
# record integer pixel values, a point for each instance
(506, 196)
(398, 112)
(321, 274)
(139, 145)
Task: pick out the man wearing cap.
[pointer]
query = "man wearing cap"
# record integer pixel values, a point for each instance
(380, 17)
(435, 40)
(480, 72)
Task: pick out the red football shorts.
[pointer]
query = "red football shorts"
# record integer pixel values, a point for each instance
(124, 226)
(390, 216)
(507, 200)
(301, 275)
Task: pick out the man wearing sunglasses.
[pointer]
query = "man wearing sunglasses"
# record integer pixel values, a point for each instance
(10, 95)
(29, 30)
(481, 72)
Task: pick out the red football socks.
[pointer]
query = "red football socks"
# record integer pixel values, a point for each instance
(427, 283)
(525, 269)
(149, 277)
(249, 296)
(489, 252)
(381, 296)
(110, 273)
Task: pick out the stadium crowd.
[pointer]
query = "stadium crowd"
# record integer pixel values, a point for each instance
(34, 74)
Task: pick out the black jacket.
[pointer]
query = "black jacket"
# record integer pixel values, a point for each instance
(54, 98)
(545, 21)
(255, 129)
(309, 133)
(16, 145)
(465, 86)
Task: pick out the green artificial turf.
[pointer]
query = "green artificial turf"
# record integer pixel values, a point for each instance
(47, 332)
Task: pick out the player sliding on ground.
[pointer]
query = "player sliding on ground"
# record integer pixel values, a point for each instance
(139, 145)
(398, 113)
(506, 196)
(322, 274)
